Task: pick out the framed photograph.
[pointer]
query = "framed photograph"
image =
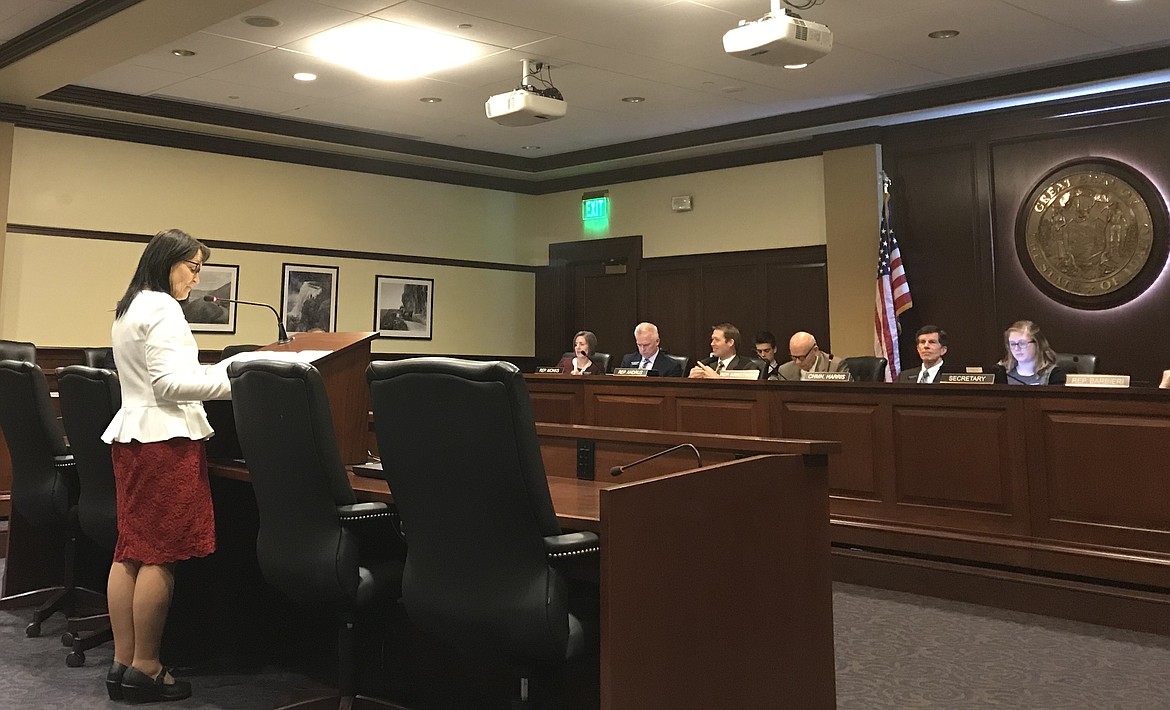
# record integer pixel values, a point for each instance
(404, 307)
(221, 280)
(308, 298)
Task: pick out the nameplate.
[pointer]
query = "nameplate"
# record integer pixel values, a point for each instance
(752, 374)
(1117, 381)
(973, 370)
(970, 378)
(629, 371)
(826, 376)
(548, 370)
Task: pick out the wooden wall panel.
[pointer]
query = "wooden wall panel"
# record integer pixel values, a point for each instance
(1101, 476)
(853, 474)
(668, 299)
(722, 413)
(731, 294)
(793, 305)
(633, 411)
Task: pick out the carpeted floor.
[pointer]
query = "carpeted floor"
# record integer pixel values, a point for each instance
(894, 650)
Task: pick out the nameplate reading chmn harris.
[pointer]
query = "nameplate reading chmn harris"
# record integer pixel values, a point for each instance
(553, 370)
(826, 376)
(629, 371)
(957, 378)
(1118, 381)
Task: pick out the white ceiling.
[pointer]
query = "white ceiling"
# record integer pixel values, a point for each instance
(667, 51)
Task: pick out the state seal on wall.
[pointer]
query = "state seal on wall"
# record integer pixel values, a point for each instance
(1092, 234)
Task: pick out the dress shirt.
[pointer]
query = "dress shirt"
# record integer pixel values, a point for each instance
(647, 363)
(931, 374)
(163, 384)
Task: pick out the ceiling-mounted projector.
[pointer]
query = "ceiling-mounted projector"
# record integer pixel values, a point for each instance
(527, 105)
(779, 39)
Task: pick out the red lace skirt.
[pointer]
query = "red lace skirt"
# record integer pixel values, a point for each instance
(164, 501)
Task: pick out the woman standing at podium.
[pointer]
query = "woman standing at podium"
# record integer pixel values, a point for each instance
(160, 466)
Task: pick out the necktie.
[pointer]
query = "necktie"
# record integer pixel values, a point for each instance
(645, 363)
(719, 367)
(924, 377)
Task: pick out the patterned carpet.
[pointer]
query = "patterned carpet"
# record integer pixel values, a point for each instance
(894, 650)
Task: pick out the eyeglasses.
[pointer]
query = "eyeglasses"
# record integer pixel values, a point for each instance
(1019, 344)
(195, 265)
(801, 357)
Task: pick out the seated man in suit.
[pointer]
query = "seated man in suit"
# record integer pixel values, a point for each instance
(724, 338)
(649, 356)
(932, 345)
(806, 356)
(766, 351)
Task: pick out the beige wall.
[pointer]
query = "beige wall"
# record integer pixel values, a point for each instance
(59, 292)
(6, 132)
(766, 206)
(852, 222)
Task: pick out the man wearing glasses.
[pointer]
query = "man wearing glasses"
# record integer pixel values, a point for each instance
(807, 357)
(932, 345)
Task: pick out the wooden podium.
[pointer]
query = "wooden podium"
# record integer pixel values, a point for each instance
(343, 367)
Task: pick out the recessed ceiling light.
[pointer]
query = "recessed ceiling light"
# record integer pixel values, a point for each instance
(430, 99)
(943, 34)
(529, 147)
(305, 76)
(388, 50)
(261, 21)
(234, 97)
(182, 53)
(465, 25)
(634, 99)
(795, 66)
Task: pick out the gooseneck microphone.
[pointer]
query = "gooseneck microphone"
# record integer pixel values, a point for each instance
(618, 470)
(282, 334)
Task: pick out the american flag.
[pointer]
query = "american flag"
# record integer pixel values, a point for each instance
(893, 297)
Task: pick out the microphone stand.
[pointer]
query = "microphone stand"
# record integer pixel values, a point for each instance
(282, 334)
(617, 470)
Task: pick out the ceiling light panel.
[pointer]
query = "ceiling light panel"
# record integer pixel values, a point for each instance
(438, 19)
(274, 70)
(390, 51)
(298, 19)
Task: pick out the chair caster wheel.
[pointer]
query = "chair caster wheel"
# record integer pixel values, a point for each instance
(32, 630)
(75, 660)
(68, 638)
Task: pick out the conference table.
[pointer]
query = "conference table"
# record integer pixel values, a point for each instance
(1045, 499)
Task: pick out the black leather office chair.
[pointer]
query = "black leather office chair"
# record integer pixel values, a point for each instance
(1077, 363)
(866, 368)
(44, 486)
(98, 357)
(230, 350)
(310, 522)
(18, 350)
(599, 359)
(89, 398)
(682, 361)
(460, 453)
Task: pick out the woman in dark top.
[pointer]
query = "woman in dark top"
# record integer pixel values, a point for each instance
(1028, 358)
(579, 363)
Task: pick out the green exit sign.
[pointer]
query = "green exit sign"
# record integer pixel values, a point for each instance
(595, 208)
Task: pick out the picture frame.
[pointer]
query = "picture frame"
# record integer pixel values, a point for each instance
(308, 298)
(404, 307)
(221, 280)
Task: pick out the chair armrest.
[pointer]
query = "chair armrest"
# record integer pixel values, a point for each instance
(362, 511)
(568, 545)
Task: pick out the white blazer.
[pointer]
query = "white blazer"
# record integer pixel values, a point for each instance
(163, 384)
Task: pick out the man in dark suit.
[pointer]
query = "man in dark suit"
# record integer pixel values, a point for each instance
(766, 351)
(931, 341)
(649, 357)
(724, 338)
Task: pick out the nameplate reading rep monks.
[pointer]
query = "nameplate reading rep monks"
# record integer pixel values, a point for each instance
(1088, 232)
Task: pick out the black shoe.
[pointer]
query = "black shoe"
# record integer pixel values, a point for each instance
(114, 680)
(137, 687)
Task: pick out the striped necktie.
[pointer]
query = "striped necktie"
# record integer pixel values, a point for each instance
(645, 363)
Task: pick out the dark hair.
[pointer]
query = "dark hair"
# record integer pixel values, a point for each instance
(730, 332)
(766, 337)
(1045, 355)
(590, 340)
(154, 266)
(928, 329)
